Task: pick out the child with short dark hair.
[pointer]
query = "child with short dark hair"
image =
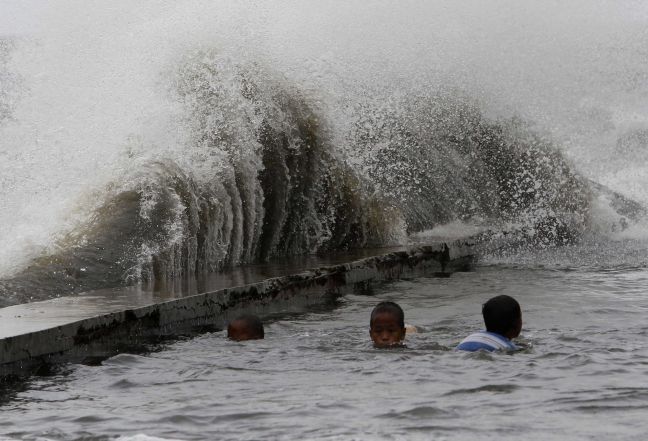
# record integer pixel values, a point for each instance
(503, 319)
(245, 327)
(387, 325)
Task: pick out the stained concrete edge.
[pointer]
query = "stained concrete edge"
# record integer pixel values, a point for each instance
(103, 335)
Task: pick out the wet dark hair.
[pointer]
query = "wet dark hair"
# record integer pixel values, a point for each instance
(391, 308)
(501, 314)
(252, 323)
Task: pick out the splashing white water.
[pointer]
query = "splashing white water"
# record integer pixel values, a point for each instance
(95, 102)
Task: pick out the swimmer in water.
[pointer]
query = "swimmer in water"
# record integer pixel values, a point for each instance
(245, 327)
(387, 325)
(503, 319)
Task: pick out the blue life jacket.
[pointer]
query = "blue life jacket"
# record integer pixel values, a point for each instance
(488, 341)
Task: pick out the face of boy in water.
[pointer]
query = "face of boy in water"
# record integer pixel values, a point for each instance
(386, 331)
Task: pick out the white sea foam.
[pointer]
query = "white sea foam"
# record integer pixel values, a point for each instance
(94, 102)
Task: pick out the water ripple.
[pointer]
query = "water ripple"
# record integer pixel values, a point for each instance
(493, 388)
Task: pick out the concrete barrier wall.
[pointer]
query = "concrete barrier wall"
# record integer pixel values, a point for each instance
(69, 330)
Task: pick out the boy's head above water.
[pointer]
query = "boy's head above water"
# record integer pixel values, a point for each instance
(245, 327)
(387, 325)
(503, 316)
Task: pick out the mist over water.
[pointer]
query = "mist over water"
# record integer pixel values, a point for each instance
(170, 107)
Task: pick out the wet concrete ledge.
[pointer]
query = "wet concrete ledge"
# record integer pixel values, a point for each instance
(93, 327)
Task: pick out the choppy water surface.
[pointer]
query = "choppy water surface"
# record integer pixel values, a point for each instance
(316, 376)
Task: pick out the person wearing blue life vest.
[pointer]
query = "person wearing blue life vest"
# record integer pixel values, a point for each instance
(503, 319)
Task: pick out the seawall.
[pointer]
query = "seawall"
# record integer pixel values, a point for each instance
(91, 327)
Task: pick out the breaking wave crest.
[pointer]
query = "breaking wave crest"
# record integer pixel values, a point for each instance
(261, 177)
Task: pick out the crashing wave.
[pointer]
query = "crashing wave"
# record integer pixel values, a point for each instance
(439, 159)
(261, 179)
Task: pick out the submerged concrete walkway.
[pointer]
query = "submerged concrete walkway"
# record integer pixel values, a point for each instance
(100, 324)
